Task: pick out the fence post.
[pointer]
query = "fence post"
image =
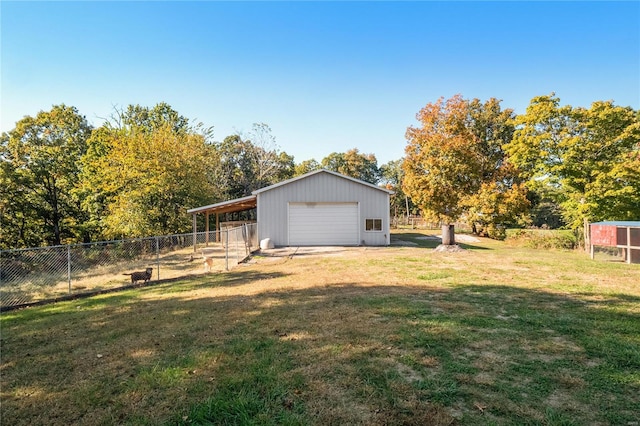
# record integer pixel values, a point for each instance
(158, 256)
(69, 265)
(226, 251)
(245, 238)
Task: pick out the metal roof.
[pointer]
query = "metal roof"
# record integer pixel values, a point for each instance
(250, 202)
(237, 205)
(315, 172)
(625, 223)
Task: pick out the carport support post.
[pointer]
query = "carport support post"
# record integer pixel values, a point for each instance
(195, 232)
(218, 227)
(226, 247)
(206, 221)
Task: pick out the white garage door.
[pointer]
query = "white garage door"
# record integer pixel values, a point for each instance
(323, 224)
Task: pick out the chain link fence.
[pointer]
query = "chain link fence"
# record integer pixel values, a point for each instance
(418, 222)
(48, 273)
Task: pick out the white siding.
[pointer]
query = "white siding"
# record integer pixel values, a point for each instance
(323, 224)
(323, 187)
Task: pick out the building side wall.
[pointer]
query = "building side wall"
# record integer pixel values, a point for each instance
(322, 187)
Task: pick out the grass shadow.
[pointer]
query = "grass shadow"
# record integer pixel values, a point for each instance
(404, 351)
(468, 246)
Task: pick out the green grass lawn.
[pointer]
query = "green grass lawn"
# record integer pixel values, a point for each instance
(496, 335)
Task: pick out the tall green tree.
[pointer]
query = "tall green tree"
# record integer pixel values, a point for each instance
(150, 119)
(306, 166)
(238, 167)
(40, 169)
(20, 225)
(141, 174)
(589, 156)
(455, 164)
(286, 167)
(392, 177)
(355, 164)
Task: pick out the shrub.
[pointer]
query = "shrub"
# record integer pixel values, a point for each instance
(543, 239)
(497, 232)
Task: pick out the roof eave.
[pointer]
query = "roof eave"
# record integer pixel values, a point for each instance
(314, 172)
(244, 203)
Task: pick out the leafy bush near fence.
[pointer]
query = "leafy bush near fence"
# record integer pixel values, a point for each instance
(496, 232)
(543, 239)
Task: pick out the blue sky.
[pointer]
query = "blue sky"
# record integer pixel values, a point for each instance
(325, 76)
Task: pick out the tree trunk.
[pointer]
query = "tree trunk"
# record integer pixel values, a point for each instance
(448, 235)
(406, 201)
(587, 235)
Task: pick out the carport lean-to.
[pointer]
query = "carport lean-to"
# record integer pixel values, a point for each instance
(231, 206)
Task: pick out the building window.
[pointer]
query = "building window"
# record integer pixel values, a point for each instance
(373, 225)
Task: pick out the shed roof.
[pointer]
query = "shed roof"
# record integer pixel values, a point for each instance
(625, 223)
(237, 205)
(315, 172)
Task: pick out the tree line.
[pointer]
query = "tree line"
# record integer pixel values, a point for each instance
(64, 181)
(554, 165)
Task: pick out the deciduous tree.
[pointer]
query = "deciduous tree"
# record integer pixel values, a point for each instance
(392, 177)
(306, 167)
(355, 164)
(589, 155)
(40, 167)
(144, 171)
(150, 119)
(251, 161)
(455, 164)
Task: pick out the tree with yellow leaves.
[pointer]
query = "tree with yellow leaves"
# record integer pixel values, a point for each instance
(140, 177)
(455, 164)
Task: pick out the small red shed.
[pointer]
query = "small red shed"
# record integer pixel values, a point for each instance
(624, 235)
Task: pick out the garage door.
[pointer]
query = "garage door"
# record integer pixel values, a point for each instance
(323, 224)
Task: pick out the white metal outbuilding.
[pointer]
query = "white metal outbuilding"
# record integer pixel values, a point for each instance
(320, 208)
(323, 208)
